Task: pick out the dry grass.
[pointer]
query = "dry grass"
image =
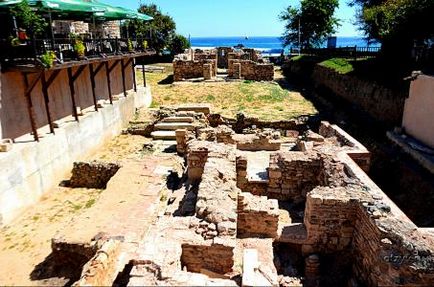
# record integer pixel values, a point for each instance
(267, 101)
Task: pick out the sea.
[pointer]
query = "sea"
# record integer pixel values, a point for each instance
(270, 44)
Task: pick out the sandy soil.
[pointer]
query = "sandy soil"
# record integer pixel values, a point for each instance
(26, 242)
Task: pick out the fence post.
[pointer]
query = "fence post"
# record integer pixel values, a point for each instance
(355, 53)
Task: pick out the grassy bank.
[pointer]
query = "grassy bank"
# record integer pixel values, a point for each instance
(268, 101)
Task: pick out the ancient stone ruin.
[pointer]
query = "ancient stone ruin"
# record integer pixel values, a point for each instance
(221, 63)
(257, 204)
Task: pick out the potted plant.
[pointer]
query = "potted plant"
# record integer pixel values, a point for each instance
(79, 48)
(48, 58)
(130, 46)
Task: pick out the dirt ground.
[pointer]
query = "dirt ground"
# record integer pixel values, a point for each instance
(26, 242)
(266, 100)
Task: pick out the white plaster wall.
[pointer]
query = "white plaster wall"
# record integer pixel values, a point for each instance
(418, 119)
(32, 168)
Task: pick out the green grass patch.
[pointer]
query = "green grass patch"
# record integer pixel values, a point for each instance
(89, 203)
(340, 65)
(154, 104)
(210, 98)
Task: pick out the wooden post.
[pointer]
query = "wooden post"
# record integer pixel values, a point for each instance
(144, 76)
(30, 108)
(123, 78)
(92, 82)
(72, 91)
(133, 66)
(46, 101)
(107, 71)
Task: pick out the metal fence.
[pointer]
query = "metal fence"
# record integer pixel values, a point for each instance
(352, 52)
(31, 50)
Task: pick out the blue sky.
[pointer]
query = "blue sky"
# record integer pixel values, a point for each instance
(201, 18)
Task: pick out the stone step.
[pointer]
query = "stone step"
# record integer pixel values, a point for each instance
(178, 119)
(163, 135)
(195, 108)
(173, 126)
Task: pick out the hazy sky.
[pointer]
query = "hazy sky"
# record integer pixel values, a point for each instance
(234, 17)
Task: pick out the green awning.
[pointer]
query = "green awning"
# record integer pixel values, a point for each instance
(67, 5)
(119, 13)
(80, 8)
(8, 3)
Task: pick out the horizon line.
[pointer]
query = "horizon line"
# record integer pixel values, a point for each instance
(359, 36)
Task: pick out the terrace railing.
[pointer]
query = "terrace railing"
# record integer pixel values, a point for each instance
(32, 50)
(352, 52)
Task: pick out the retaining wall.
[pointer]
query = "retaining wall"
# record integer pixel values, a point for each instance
(32, 168)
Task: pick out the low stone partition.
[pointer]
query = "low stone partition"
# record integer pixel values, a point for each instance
(217, 191)
(215, 255)
(258, 216)
(293, 174)
(256, 142)
(92, 174)
(251, 70)
(358, 153)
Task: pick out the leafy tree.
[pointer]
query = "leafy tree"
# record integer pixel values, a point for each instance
(28, 19)
(160, 30)
(398, 25)
(315, 20)
(178, 44)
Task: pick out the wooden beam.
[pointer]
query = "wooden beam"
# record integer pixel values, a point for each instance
(123, 78)
(78, 72)
(30, 109)
(133, 66)
(107, 71)
(47, 101)
(144, 75)
(72, 91)
(98, 68)
(92, 82)
(33, 84)
(113, 66)
(52, 77)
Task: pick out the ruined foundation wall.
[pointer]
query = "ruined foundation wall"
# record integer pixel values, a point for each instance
(257, 216)
(292, 175)
(216, 257)
(251, 70)
(192, 69)
(92, 174)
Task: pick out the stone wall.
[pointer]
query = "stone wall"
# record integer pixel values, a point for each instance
(216, 256)
(192, 69)
(251, 70)
(257, 216)
(92, 174)
(381, 103)
(292, 175)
